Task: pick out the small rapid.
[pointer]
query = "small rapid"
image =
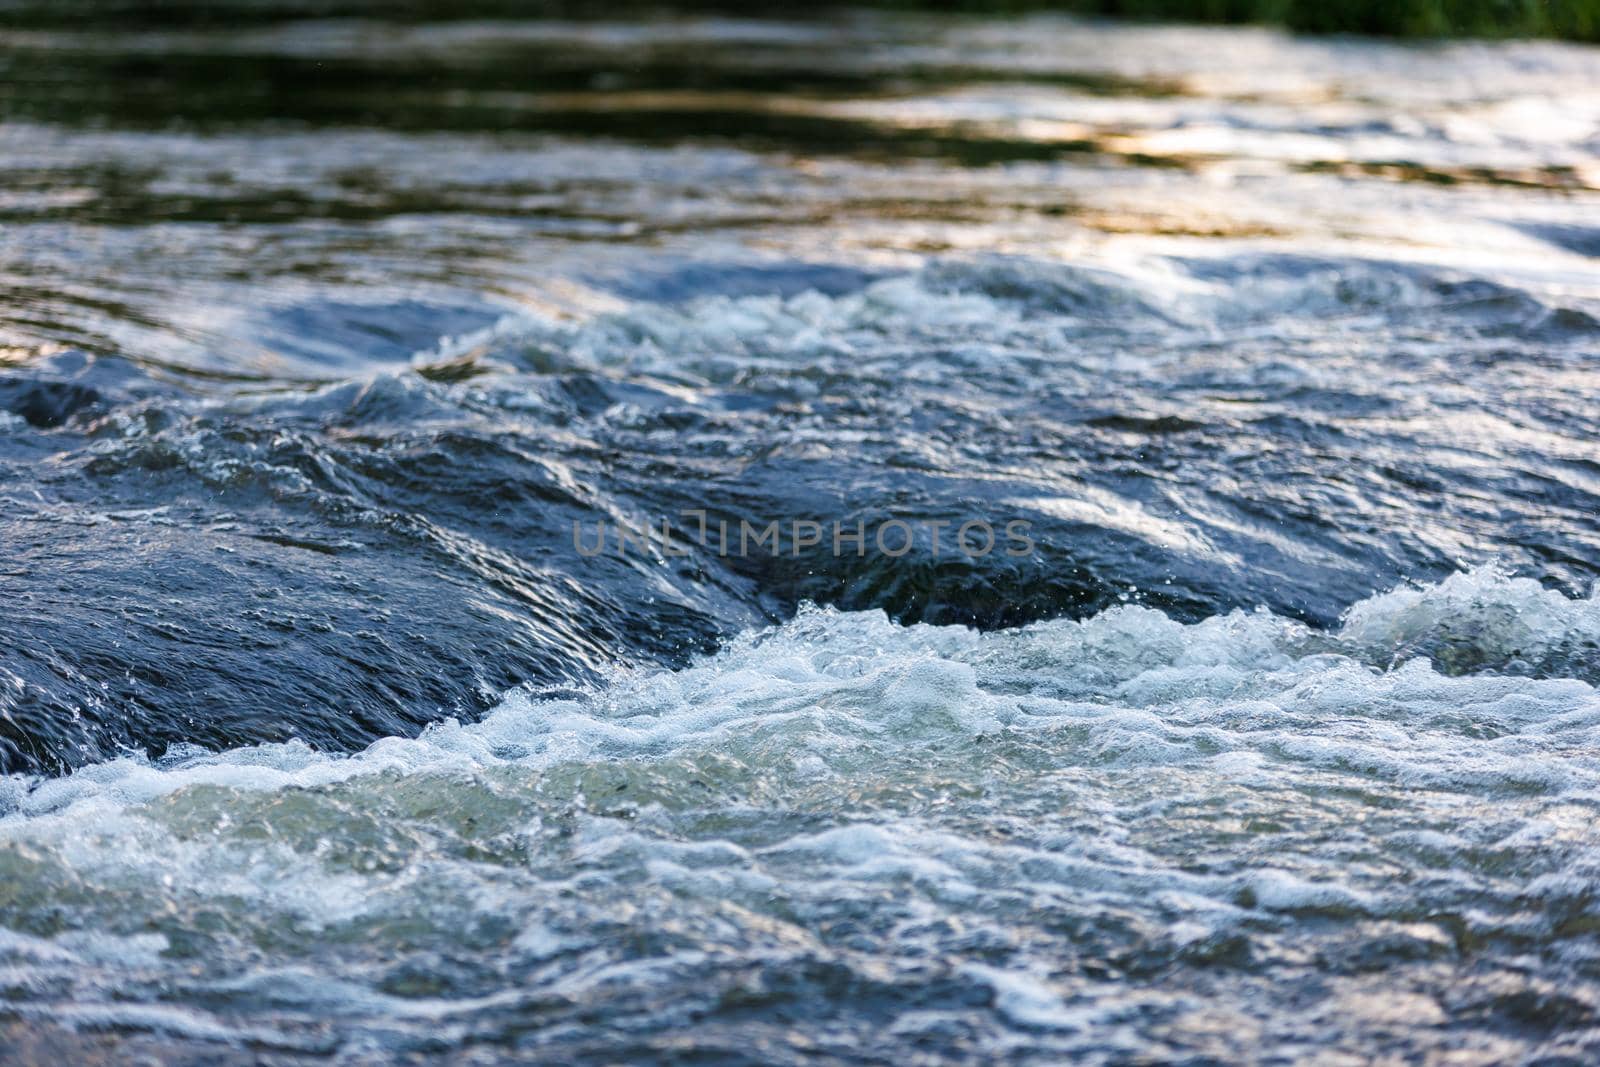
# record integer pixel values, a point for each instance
(1070, 838)
(346, 561)
(1262, 729)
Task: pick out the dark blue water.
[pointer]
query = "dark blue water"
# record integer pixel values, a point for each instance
(328, 348)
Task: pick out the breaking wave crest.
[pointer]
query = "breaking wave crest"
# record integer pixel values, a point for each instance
(1193, 434)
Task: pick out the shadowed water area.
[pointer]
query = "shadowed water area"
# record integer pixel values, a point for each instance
(326, 741)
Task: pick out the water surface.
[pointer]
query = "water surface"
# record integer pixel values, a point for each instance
(317, 338)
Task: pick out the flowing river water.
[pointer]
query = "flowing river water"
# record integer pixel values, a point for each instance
(325, 344)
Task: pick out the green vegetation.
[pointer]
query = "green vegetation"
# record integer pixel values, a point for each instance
(1572, 19)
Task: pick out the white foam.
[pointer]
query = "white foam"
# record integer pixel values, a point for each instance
(927, 773)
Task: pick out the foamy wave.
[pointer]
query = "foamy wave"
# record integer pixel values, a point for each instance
(1482, 619)
(977, 308)
(857, 674)
(1204, 793)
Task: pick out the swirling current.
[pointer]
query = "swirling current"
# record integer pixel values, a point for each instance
(328, 346)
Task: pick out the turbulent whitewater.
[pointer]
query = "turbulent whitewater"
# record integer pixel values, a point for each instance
(321, 740)
(1228, 840)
